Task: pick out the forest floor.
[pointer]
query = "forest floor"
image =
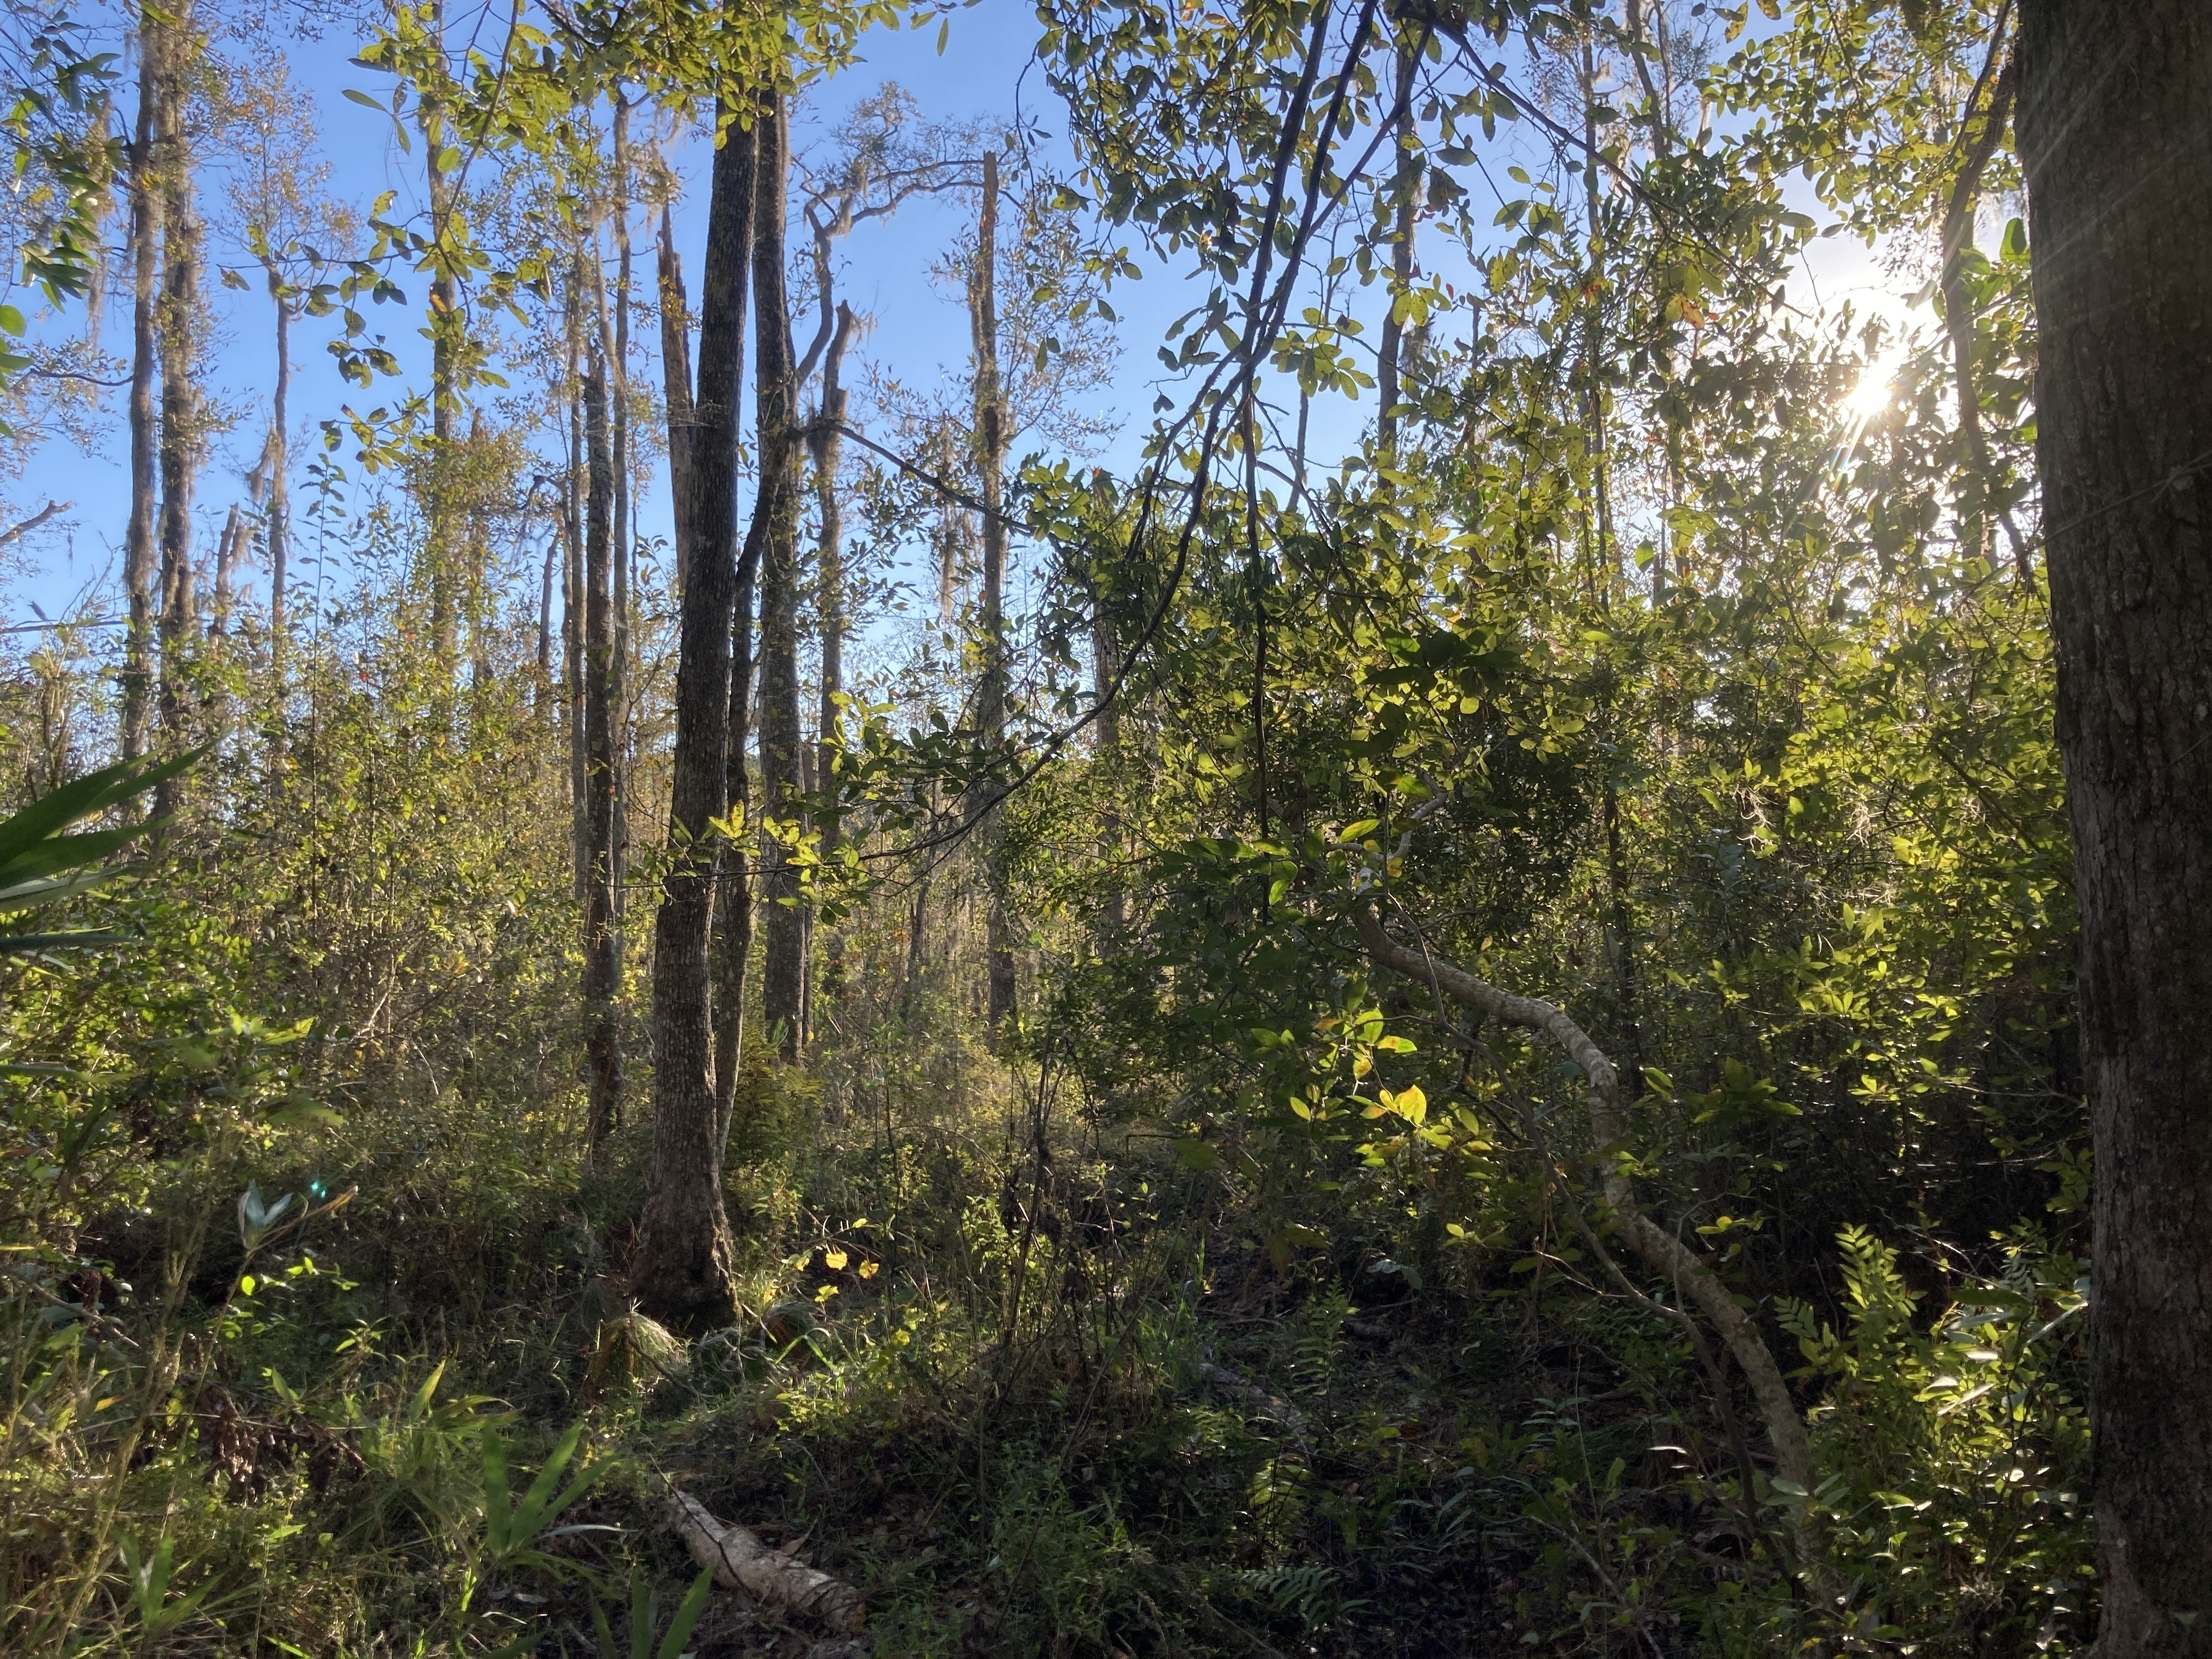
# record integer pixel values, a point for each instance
(1031, 1386)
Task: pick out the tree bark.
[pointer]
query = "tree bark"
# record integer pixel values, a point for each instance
(2114, 126)
(827, 442)
(775, 531)
(1401, 255)
(625, 536)
(682, 1263)
(177, 324)
(445, 343)
(279, 496)
(572, 610)
(675, 387)
(740, 1561)
(602, 943)
(991, 692)
(138, 547)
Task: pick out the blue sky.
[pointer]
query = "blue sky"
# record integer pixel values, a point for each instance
(919, 329)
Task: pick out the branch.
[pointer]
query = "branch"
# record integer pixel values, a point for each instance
(739, 1560)
(1688, 1270)
(34, 521)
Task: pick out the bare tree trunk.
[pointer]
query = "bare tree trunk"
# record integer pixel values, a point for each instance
(226, 561)
(445, 343)
(1105, 664)
(280, 498)
(676, 377)
(1987, 128)
(991, 693)
(680, 1266)
(572, 623)
(1402, 251)
(827, 442)
(776, 531)
(734, 906)
(602, 943)
(177, 322)
(2115, 139)
(139, 543)
(624, 531)
(543, 702)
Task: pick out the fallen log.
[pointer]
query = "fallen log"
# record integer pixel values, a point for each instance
(1688, 1269)
(740, 1561)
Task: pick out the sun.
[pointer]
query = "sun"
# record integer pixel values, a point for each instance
(1876, 390)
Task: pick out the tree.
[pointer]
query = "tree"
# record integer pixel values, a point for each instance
(773, 542)
(180, 326)
(149, 133)
(682, 1264)
(602, 672)
(297, 233)
(2115, 136)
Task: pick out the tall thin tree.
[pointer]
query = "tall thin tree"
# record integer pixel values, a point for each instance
(178, 325)
(139, 538)
(682, 1263)
(775, 535)
(602, 942)
(992, 687)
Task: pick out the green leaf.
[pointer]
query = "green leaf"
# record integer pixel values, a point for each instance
(1195, 1155)
(687, 1614)
(499, 1515)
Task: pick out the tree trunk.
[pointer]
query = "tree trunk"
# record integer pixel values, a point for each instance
(138, 547)
(280, 499)
(775, 531)
(602, 943)
(572, 612)
(990, 693)
(542, 703)
(675, 381)
(827, 441)
(177, 324)
(226, 562)
(2115, 136)
(445, 354)
(1401, 254)
(733, 903)
(680, 1266)
(625, 536)
(1105, 664)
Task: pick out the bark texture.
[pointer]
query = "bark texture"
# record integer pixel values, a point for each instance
(177, 325)
(991, 692)
(2115, 132)
(602, 941)
(775, 534)
(138, 544)
(740, 1561)
(1401, 254)
(681, 1266)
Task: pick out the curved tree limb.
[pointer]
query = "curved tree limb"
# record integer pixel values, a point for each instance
(739, 1560)
(1685, 1268)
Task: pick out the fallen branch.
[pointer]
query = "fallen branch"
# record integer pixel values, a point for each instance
(739, 1560)
(1687, 1269)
